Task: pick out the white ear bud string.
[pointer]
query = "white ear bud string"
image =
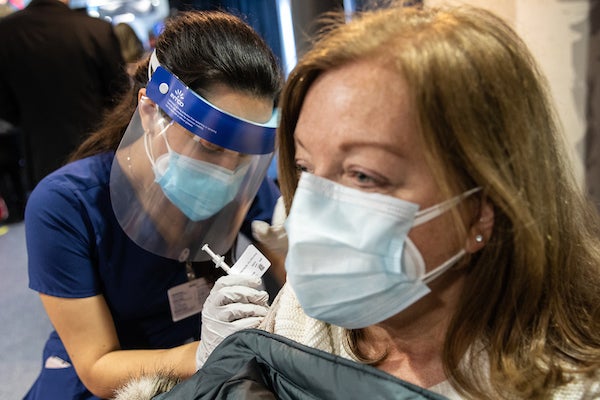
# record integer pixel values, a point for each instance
(148, 147)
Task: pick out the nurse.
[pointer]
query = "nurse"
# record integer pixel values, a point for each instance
(114, 237)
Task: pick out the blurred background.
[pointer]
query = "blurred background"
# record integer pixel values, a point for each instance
(564, 35)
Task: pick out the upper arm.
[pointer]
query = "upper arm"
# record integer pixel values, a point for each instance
(86, 328)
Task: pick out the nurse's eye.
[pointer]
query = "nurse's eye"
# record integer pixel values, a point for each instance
(209, 147)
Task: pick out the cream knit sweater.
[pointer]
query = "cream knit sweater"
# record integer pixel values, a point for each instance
(286, 318)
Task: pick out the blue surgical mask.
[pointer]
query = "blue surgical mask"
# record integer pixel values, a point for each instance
(199, 189)
(350, 261)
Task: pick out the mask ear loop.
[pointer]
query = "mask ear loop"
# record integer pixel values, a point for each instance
(436, 272)
(432, 212)
(435, 211)
(148, 147)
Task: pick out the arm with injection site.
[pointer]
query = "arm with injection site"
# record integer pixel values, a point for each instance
(235, 302)
(272, 240)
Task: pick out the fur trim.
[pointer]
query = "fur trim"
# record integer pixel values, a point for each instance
(146, 387)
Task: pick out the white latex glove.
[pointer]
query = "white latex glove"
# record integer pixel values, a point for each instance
(274, 236)
(234, 303)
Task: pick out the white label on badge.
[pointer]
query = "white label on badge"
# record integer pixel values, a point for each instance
(188, 298)
(252, 262)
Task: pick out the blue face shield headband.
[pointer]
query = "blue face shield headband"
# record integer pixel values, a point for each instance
(206, 121)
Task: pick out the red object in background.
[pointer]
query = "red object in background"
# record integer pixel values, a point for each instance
(19, 4)
(3, 209)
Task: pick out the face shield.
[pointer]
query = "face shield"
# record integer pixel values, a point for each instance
(186, 172)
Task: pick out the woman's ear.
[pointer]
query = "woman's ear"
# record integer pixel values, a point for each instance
(147, 109)
(481, 230)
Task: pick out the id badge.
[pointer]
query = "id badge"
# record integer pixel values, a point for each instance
(188, 298)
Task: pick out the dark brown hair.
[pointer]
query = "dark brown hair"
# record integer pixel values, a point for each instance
(201, 48)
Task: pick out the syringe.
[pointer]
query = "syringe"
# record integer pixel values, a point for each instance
(217, 259)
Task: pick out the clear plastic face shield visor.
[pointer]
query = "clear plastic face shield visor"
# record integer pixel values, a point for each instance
(186, 172)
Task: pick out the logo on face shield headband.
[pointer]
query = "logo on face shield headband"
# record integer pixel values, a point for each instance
(177, 97)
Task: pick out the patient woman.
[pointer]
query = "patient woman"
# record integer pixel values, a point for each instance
(435, 230)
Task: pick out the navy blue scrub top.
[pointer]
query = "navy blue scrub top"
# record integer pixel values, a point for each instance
(76, 248)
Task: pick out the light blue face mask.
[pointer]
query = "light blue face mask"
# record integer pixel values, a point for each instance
(199, 189)
(350, 261)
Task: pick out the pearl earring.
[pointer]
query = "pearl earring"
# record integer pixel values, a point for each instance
(479, 238)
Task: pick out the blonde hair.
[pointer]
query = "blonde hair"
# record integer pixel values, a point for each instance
(532, 295)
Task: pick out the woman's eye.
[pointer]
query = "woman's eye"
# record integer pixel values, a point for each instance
(363, 178)
(365, 181)
(301, 168)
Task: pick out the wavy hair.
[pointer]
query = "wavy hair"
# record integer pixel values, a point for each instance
(531, 298)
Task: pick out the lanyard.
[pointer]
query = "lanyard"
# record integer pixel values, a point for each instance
(191, 275)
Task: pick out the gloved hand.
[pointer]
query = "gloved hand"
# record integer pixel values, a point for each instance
(274, 236)
(234, 303)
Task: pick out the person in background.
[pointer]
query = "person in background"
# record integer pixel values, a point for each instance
(435, 230)
(61, 70)
(5, 8)
(114, 237)
(132, 47)
(12, 174)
